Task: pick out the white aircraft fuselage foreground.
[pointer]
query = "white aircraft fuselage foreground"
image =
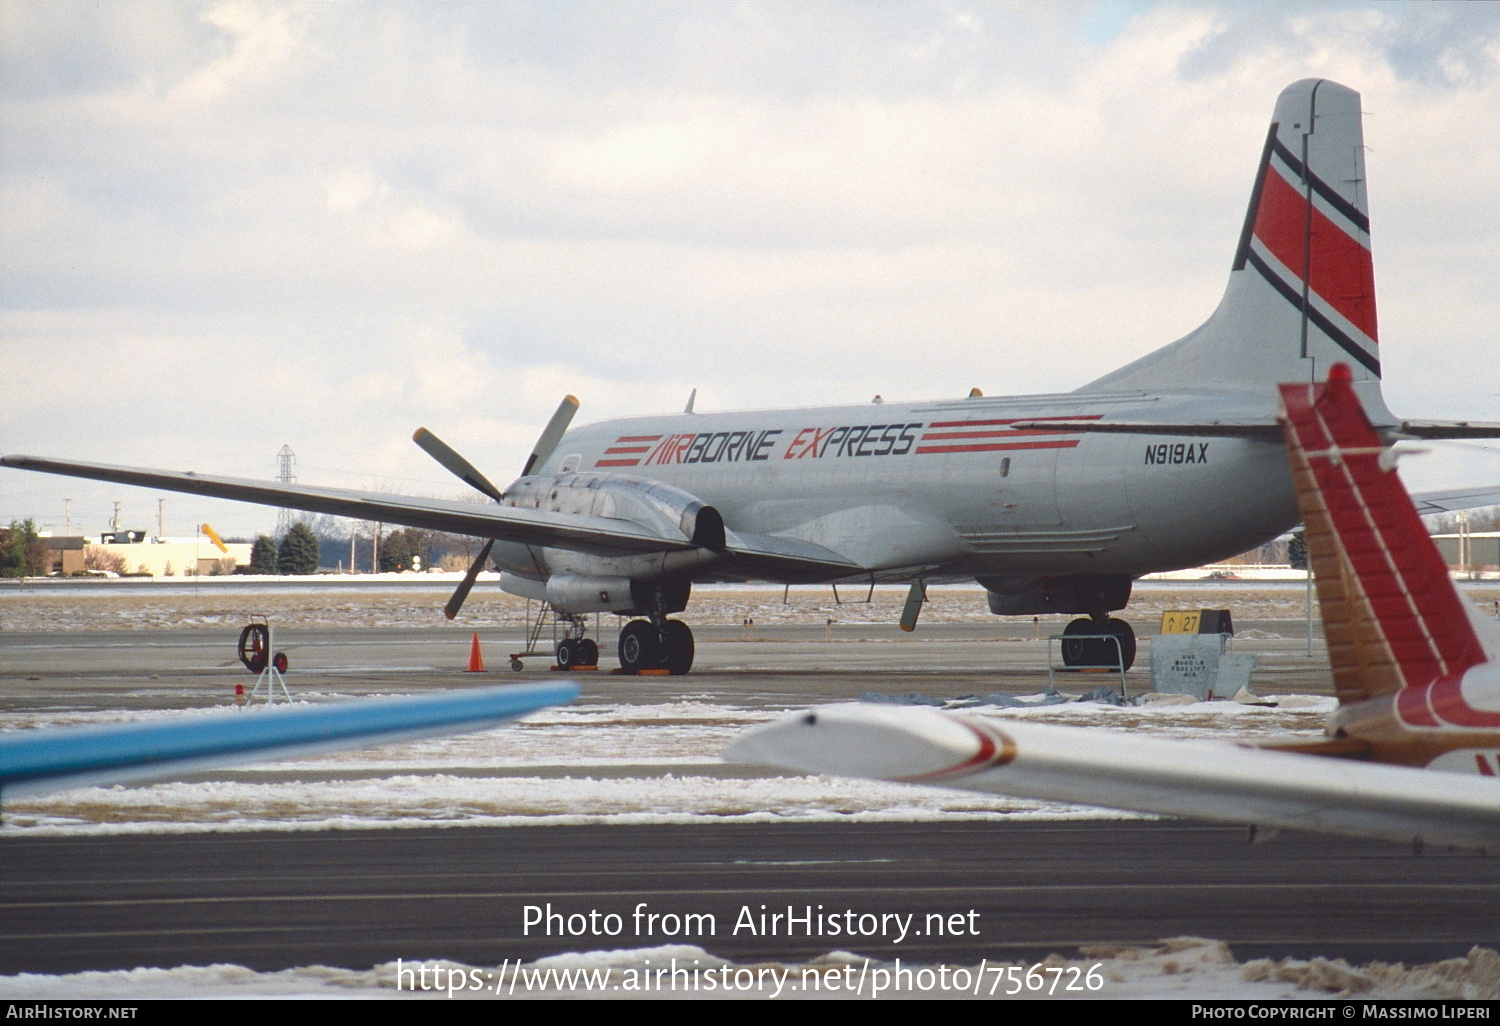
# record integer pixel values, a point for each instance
(1054, 503)
(1414, 666)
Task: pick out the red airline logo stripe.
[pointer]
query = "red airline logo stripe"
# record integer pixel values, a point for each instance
(617, 463)
(638, 438)
(994, 749)
(627, 448)
(1411, 707)
(1343, 275)
(1446, 699)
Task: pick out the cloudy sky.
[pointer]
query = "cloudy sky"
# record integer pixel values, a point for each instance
(225, 227)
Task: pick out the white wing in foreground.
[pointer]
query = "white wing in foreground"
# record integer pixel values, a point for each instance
(1197, 780)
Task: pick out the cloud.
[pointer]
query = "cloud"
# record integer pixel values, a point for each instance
(234, 225)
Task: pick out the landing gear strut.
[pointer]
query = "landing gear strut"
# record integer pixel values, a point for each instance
(1099, 651)
(574, 649)
(647, 646)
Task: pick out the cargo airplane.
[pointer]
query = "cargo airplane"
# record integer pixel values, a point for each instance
(1054, 503)
(1415, 667)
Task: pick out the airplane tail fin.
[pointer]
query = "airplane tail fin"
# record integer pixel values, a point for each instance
(1301, 292)
(1392, 616)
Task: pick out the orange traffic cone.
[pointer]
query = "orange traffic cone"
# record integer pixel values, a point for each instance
(476, 661)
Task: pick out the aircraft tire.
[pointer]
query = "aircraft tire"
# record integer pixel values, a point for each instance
(1122, 630)
(1080, 651)
(677, 652)
(567, 654)
(639, 646)
(588, 652)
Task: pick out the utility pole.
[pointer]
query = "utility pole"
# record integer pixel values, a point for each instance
(160, 530)
(286, 464)
(68, 516)
(114, 521)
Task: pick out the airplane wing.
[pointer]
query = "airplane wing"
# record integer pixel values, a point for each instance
(1199, 780)
(35, 761)
(748, 553)
(584, 532)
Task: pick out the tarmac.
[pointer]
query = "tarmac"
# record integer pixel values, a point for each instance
(355, 898)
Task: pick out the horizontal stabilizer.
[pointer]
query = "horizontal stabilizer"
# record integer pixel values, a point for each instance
(52, 760)
(1195, 779)
(1439, 430)
(1428, 503)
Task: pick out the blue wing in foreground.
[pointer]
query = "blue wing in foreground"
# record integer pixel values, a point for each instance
(53, 760)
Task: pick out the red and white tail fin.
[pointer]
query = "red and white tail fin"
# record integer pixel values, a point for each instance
(1392, 616)
(1301, 290)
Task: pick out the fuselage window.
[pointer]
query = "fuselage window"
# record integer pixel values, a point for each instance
(1005, 467)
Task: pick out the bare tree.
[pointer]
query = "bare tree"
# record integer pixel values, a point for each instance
(96, 557)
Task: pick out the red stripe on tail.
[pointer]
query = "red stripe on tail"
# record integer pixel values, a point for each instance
(1343, 275)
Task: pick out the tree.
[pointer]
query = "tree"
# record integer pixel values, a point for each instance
(400, 549)
(298, 553)
(262, 556)
(1296, 551)
(22, 551)
(97, 557)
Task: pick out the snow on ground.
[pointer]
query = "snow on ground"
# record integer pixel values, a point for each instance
(1182, 967)
(225, 605)
(613, 771)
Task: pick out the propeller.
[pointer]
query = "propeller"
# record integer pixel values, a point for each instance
(461, 468)
(466, 472)
(552, 433)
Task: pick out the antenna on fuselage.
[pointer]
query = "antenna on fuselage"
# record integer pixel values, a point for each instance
(692, 398)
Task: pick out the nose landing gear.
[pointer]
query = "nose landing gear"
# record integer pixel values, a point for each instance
(575, 652)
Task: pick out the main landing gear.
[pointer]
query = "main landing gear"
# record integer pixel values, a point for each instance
(1099, 651)
(667, 645)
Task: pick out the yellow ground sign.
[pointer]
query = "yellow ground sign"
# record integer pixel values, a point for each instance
(1180, 621)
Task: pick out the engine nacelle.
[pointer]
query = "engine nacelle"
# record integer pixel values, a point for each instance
(570, 594)
(1068, 593)
(670, 512)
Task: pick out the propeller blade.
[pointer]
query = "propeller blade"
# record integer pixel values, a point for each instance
(464, 586)
(552, 433)
(461, 468)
